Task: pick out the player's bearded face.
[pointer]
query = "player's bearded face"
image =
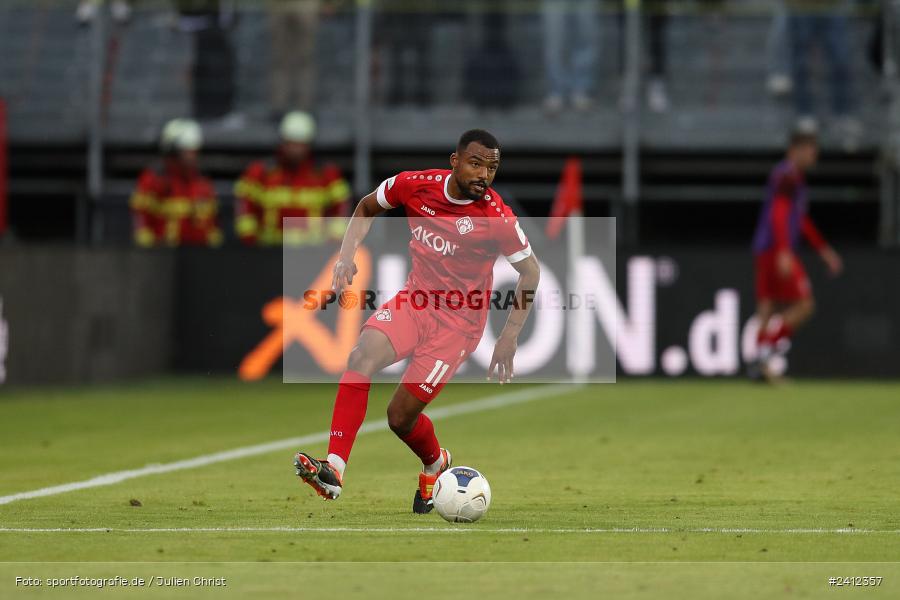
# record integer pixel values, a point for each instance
(473, 189)
(475, 169)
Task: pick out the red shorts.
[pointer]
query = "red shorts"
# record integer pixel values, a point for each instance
(772, 285)
(435, 350)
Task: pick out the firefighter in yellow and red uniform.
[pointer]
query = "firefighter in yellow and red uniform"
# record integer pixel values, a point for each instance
(293, 187)
(173, 204)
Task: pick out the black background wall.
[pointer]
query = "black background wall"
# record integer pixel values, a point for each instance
(855, 332)
(86, 315)
(91, 315)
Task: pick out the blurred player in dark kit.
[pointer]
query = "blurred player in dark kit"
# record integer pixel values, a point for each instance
(782, 286)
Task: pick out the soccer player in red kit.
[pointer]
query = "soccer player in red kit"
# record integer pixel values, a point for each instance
(782, 286)
(459, 227)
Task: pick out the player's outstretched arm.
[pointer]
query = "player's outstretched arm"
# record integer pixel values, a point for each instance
(505, 349)
(360, 223)
(831, 258)
(833, 261)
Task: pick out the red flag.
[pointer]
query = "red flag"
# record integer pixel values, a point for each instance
(569, 197)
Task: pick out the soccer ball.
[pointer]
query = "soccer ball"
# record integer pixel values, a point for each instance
(461, 495)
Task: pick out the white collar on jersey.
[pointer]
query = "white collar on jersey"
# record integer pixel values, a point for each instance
(450, 198)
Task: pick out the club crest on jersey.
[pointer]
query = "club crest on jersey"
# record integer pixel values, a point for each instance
(465, 225)
(383, 315)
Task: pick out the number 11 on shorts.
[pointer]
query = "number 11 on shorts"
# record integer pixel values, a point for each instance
(438, 372)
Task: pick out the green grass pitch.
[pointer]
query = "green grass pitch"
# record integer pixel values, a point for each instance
(637, 489)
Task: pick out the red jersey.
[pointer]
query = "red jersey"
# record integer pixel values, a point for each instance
(454, 244)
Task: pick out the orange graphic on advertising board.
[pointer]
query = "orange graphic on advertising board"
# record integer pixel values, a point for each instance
(293, 320)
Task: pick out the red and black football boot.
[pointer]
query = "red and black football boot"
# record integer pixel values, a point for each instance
(319, 475)
(422, 502)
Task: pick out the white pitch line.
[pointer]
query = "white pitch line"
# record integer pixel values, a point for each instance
(448, 529)
(489, 403)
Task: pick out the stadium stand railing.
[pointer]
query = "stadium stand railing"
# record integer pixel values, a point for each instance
(717, 63)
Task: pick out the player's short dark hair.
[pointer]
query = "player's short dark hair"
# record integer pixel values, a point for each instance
(801, 134)
(485, 138)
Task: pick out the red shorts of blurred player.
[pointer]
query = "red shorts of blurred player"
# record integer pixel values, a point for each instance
(435, 350)
(772, 285)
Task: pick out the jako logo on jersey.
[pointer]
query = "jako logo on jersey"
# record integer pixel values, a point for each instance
(427, 209)
(426, 388)
(465, 225)
(435, 242)
(383, 315)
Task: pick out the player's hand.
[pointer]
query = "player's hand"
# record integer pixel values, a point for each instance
(833, 261)
(502, 359)
(784, 263)
(343, 275)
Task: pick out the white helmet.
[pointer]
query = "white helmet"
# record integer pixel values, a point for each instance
(298, 126)
(181, 134)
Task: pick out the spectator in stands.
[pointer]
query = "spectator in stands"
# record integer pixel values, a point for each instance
(779, 80)
(492, 75)
(213, 71)
(825, 24)
(657, 24)
(406, 29)
(87, 11)
(316, 199)
(876, 48)
(657, 21)
(571, 45)
(292, 25)
(173, 204)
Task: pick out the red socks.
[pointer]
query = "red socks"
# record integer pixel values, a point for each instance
(423, 442)
(349, 412)
(774, 336)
